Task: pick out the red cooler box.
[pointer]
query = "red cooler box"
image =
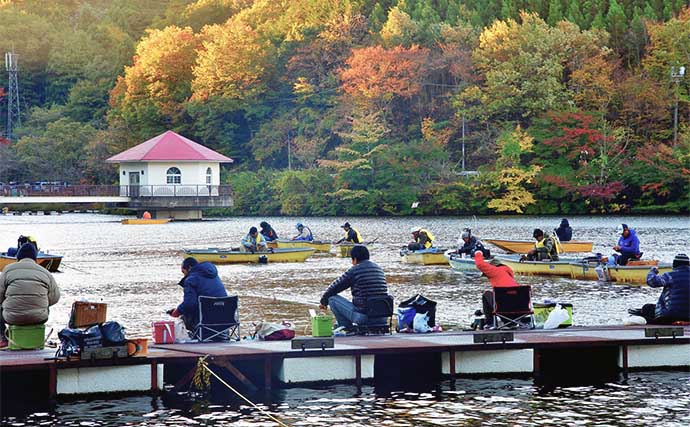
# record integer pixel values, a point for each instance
(163, 332)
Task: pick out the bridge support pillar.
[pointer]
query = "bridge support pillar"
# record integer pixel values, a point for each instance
(180, 215)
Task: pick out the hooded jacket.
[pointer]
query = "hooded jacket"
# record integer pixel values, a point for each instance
(366, 279)
(629, 245)
(26, 292)
(499, 276)
(674, 301)
(564, 232)
(202, 280)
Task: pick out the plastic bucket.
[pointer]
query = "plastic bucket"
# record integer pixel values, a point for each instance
(321, 326)
(30, 337)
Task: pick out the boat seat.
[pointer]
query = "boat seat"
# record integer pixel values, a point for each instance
(219, 319)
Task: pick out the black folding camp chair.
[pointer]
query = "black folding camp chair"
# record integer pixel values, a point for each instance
(219, 319)
(379, 314)
(513, 307)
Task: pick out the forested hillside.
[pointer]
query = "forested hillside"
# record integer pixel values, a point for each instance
(362, 107)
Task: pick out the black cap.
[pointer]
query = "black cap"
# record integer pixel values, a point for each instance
(253, 230)
(28, 250)
(346, 225)
(537, 233)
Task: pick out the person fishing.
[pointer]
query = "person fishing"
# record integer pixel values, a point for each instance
(545, 248)
(500, 276)
(351, 235)
(564, 232)
(267, 232)
(470, 245)
(304, 233)
(253, 242)
(628, 245)
(20, 242)
(423, 239)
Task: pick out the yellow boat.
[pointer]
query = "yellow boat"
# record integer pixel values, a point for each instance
(48, 261)
(318, 245)
(234, 256)
(425, 257)
(524, 246)
(583, 271)
(634, 275)
(538, 268)
(132, 221)
(343, 250)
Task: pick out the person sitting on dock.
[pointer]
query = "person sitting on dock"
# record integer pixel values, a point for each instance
(253, 242)
(423, 239)
(351, 235)
(200, 279)
(499, 275)
(674, 302)
(304, 233)
(628, 245)
(365, 280)
(267, 232)
(564, 232)
(27, 290)
(545, 248)
(470, 245)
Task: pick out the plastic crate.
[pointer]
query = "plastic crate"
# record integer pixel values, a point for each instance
(541, 313)
(30, 337)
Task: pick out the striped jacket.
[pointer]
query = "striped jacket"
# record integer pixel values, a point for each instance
(365, 279)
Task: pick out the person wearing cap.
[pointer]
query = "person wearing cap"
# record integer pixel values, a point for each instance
(365, 279)
(267, 232)
(304, 233)
(564, 232)
(544, 249)
(470, 244)
(499, 275)
(674, 302)
(200, 279)
(27, 290)
(628, 245)
(253, 242)
(423, 239)
(351, 235)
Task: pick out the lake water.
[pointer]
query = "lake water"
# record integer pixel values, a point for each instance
(135, 270)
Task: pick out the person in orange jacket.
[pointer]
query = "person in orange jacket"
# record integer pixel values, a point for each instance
(500, 276)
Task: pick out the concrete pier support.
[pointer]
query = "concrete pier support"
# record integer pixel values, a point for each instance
(178, 215)
(108, 379)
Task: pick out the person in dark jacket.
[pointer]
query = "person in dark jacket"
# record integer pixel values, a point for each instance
(470, 244)
(351, 235)
(365, 279)
(674, 301)
(544, 248)
(628, 245)
(200, 279)
(268, 232)
(564, 232)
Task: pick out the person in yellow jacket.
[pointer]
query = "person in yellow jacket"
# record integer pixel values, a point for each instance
(545, 247)
(351, 235)
(423, 239)
(253, 242)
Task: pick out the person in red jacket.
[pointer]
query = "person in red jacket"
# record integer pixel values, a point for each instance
(500, 276)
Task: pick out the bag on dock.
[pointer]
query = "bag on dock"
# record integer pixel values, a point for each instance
(275, 331)
(418, 304)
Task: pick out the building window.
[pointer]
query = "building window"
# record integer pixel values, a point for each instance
(124, 172)
(173, 176)
(209, 175)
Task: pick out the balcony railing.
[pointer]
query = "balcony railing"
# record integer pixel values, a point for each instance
(133, 191)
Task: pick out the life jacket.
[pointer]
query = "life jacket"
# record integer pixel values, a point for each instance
(359, 237)
(556, 243)
(428, 243)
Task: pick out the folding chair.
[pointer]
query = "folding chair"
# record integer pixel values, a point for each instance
(379, 316)
(512, 306)
(218, 319)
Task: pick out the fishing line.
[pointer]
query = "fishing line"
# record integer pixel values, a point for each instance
(202, 362)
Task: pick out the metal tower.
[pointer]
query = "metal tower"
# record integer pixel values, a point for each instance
(13, 118)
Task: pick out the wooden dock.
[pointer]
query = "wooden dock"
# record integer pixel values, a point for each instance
(259, 364)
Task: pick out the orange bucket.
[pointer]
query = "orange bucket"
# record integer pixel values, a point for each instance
(138, 347)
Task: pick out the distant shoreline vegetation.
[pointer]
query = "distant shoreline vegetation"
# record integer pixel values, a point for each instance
(365, 107)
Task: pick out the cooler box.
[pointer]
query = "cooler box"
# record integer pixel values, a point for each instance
(321, 326)
(29, 337)
(163, 332)
(87, 314)
(541, 313)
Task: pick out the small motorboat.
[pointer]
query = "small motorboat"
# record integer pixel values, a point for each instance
(140, 221)
(50, 262)
(537, 268)
(634, 273)
(524, 246)
(462, 264)
(431, 256)
(235, 256)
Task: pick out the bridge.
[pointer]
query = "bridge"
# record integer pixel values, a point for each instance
(163, 201)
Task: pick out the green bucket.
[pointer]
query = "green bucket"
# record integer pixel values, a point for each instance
(30, 337)
(321, 326)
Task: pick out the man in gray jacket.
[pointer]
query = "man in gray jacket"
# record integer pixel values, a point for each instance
(26, 291)
(366, 279)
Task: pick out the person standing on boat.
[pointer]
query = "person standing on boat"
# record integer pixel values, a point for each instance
(470, 244)
(674, 302)
(564, 232)
(628, 245)
(27, 290)
(351, 235)
(423, 239)
(253, 242)
(267, 232)
(304, 233)
(545, 248)
(365, 280)
(500, 276)
(200, 280)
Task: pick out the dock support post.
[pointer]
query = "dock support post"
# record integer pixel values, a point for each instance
(154, 376)
(624, 356)
(536, 362)
(451, 360)
(268, 371)
(236, 372)
(52, 381)
(358, 371)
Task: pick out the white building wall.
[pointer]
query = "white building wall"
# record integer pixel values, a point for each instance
(140, 167)
(193, 173)
(155, 174)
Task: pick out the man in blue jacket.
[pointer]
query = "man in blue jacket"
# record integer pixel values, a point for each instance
(200, 279)
(674, 301)
(628, 245)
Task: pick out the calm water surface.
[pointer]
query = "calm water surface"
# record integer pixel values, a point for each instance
(135, 270)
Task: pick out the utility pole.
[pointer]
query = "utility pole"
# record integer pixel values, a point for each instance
(463, 143)
(13, 117)
(677, 74)
(289, 152)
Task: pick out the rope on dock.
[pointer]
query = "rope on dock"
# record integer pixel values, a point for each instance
(202, 362)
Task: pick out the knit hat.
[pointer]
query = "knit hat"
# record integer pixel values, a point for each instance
(298, 225)
(28, 250)
(681, 260)
(496, 262)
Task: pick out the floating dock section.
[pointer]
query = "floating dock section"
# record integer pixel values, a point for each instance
(595, 351)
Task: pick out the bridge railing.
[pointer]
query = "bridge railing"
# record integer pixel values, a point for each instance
(133, 191)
